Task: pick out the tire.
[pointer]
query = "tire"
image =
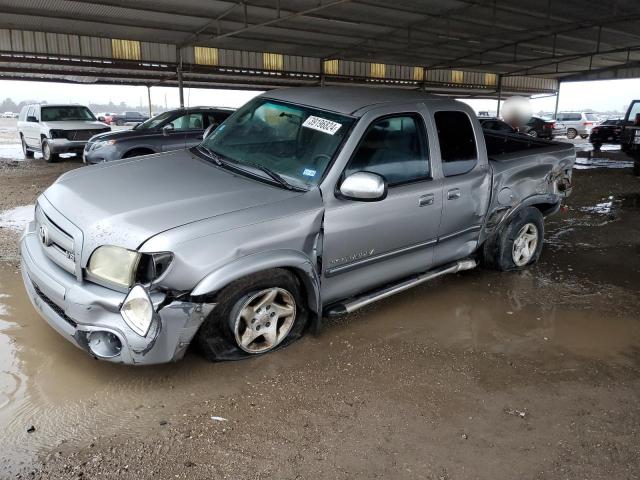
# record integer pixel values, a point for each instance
(25, 150)
(597, 147)
(500, 250)
(572, 133)
(220, 336)
(47, 155)
(119, 123)
(584, 137)
(532, 133)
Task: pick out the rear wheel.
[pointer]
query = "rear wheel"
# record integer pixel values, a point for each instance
(25, 150)
(584, 137)
(517, 244)
(254, 316)
(47, 154)
(572, 133)
(532, 133)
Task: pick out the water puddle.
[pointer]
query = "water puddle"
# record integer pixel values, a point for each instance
(11, 152)
(16, 218)
(47, 382)
(583, 163)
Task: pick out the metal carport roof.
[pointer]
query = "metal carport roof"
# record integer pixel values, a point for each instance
(465, 47)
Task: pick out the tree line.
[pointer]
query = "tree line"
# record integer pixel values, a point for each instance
(9, 105)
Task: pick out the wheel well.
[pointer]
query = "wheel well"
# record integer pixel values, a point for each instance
(135, 152)
(42, 137)
(545, 208)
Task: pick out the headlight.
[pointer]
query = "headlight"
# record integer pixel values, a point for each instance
(137, 310)
(103, 143)
(116, 265)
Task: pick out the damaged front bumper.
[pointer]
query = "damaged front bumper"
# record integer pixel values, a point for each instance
(88, 315)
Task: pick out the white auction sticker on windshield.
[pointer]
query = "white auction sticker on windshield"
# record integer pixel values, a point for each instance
(322, 125)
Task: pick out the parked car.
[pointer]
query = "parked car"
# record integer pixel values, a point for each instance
(496, 124)
(543, 128)
(56, 129)
(305, 202)
(104, 117)
(7, 115)
(630, 136)
(128, 118)
(577, 123)
(606, 132)
(172, 130)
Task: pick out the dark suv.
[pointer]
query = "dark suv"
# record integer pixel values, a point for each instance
(172, 130)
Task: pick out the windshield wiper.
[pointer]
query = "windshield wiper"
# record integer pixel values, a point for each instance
(211, 154)
(221, 161)
(275, 176)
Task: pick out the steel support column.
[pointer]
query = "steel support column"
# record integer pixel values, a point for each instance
(149, 99)
(555, 112)
(180, 82)
(499, 95)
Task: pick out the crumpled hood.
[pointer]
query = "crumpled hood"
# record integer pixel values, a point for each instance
(126, 202)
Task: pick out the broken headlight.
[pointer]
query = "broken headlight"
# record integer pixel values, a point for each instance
(115, 265)
(137, 310)
(122, 267)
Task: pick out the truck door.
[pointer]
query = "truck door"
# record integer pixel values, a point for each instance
(32, 127)
(370, 243)
(466, 187)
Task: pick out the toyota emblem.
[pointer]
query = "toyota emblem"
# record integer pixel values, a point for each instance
(43, 234)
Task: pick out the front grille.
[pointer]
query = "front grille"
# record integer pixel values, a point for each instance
(59, 311)
(60, 243)
(77, 135)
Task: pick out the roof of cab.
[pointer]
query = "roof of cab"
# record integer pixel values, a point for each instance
(347, 100)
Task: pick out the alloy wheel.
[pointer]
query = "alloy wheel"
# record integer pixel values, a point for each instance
(525, 244)
(264, 320)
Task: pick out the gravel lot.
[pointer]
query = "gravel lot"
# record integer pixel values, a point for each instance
(529, 375)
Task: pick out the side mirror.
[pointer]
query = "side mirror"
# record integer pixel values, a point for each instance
(32, 119)
(209, 129)
(167, 129)
(364, 186)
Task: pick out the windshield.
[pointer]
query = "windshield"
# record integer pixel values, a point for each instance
(297, 143)
(61, 114)
(154, 121)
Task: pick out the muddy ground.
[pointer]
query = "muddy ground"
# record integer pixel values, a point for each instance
(529, 375)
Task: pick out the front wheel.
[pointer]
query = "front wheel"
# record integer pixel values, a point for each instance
(47, 154)
(254, 316)
(517, 244)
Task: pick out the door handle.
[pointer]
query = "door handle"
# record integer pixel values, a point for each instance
(453, 194)
(426, 200)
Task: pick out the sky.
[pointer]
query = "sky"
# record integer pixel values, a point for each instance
(608, 95)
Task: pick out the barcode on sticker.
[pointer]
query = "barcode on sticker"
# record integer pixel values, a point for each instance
(322, 125)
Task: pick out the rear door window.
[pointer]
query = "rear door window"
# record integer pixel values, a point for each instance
(190, 121)
(394, 147)
(457, 142)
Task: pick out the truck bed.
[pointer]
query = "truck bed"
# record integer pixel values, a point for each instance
(525, 168)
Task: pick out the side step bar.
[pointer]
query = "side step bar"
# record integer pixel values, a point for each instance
(358, 302)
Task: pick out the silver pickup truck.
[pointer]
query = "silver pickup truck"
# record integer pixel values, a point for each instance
(305, 203)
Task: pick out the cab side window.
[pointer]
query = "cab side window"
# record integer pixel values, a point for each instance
(394, 147)
(457, 142)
